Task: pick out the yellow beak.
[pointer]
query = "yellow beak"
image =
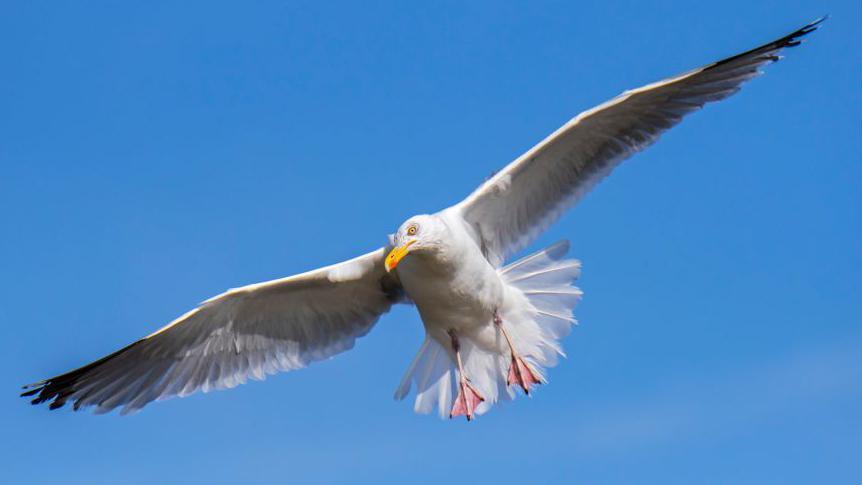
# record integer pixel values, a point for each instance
(397, 254)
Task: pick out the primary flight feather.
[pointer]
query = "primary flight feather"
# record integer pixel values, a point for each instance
(490, 328)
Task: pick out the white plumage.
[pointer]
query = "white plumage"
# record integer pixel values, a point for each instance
(538, 313)
(488, 326)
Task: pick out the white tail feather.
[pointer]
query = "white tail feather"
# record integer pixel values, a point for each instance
(434, 374)
(537, 314)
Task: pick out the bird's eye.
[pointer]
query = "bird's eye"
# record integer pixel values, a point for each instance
(412, 230)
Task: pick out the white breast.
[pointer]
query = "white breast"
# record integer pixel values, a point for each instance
(455, 288)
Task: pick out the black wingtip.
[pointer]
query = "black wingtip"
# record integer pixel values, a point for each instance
(40, 394)
(31, 391)
(32, 388)
(793, 39)
(769, 51)
(811, 27)
(819, 21)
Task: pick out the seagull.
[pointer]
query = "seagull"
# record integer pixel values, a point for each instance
(491, 329)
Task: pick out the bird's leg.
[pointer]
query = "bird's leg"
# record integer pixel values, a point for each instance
(468, 398)
(520, 371)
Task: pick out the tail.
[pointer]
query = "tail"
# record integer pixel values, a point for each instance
(545, 315)
(538, 314)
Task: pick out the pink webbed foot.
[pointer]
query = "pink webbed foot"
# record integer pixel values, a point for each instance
(466, 402)
(468, 397)
(522, 374)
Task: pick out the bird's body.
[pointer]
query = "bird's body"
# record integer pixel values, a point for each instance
(454, 286)
(490, 328)
(467, 302)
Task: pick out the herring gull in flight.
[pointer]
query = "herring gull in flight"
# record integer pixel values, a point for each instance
(491, 328)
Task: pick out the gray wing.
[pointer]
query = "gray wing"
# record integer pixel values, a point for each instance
(514, 206)
(251, 331)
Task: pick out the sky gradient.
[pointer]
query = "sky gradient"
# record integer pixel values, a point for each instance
(154, 155)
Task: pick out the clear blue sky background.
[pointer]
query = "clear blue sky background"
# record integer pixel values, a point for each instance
(153, 155)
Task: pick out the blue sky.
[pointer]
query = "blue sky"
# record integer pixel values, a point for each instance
(154, 155)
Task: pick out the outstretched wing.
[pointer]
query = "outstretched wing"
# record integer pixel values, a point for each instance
(246, 332)
(513, 207)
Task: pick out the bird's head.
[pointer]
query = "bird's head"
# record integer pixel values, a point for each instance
(422, 233)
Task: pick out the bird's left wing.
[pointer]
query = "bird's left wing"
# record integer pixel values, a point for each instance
(514, 206)
(251, 331)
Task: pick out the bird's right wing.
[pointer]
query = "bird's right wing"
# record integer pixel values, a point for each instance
(514, 206)
(251, 331)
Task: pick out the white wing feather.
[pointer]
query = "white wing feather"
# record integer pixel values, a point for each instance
(514, 206)
(246, 332)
